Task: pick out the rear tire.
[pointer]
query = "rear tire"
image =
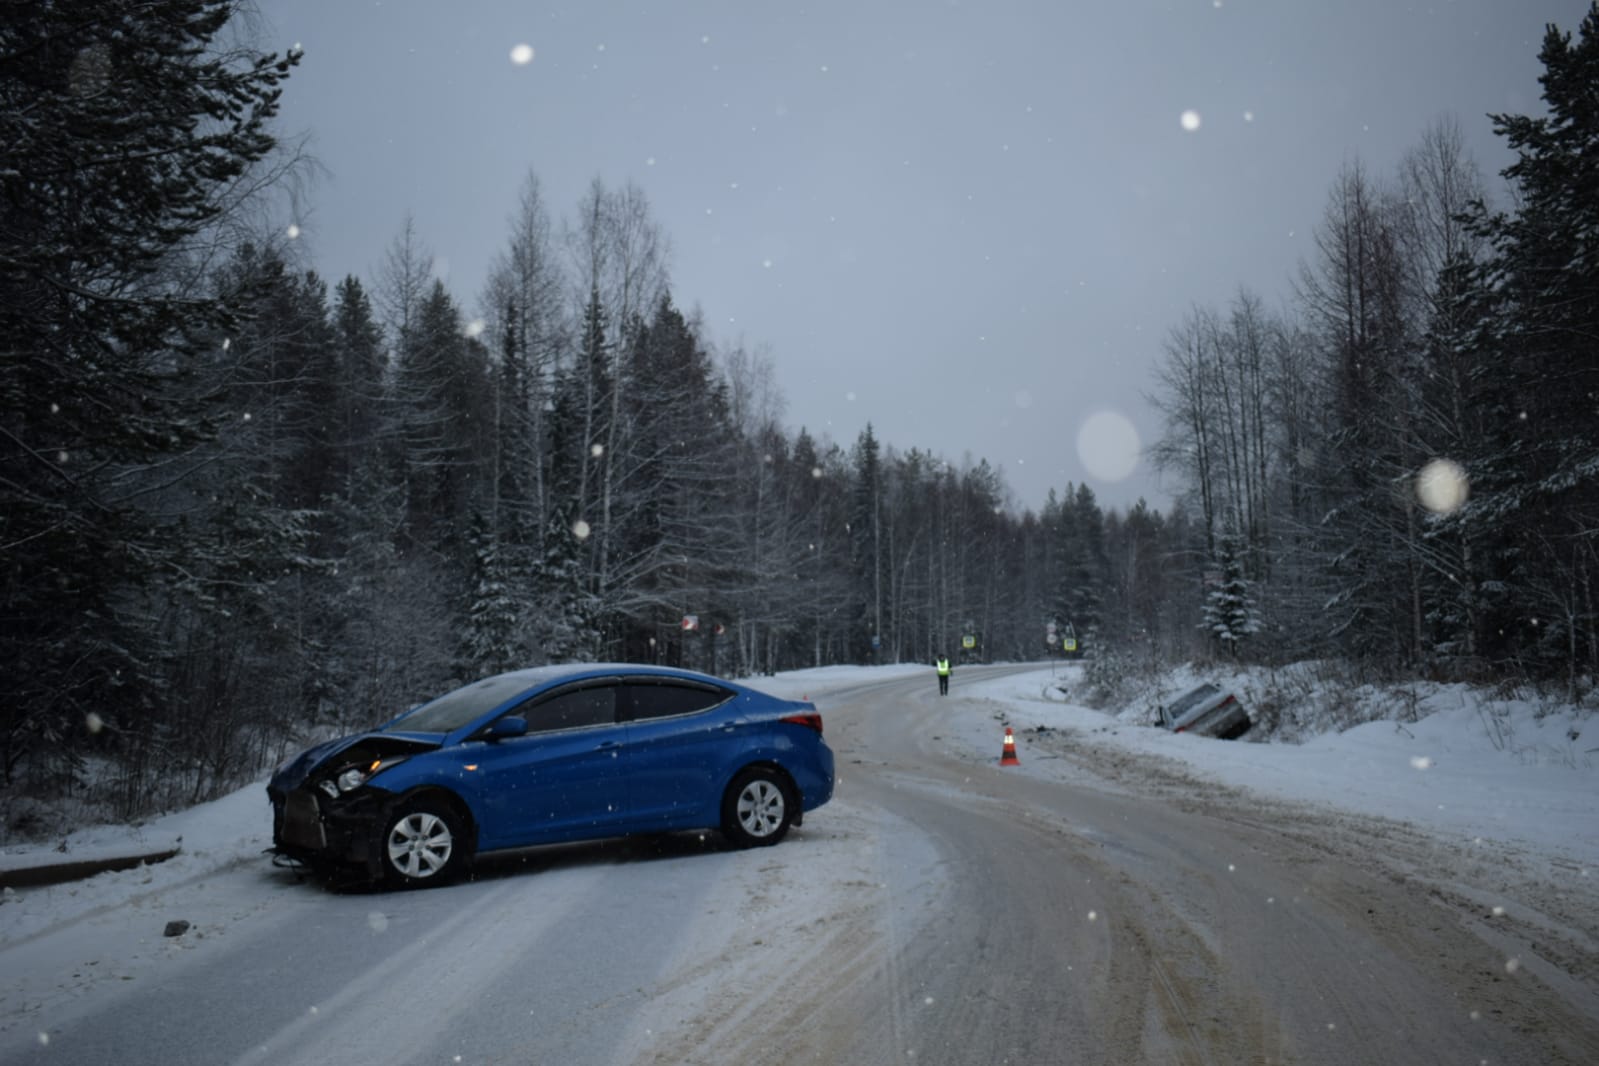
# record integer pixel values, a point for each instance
(758, 808)
(422, 845)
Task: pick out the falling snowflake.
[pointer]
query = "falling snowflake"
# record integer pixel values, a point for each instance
(596, 450)
(294, 231)
(580, 529)
(1190, 120)
(1108, 446)
(522, 54)
(1442, 486)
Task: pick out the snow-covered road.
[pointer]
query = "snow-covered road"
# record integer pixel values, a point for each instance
(681, 950)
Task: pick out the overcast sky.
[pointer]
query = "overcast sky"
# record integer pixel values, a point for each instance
(969, 223)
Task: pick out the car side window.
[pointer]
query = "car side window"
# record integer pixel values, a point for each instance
(643, 700)
(1189, 700)
(572, 709)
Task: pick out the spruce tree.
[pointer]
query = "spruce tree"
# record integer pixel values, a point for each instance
(1231, 617)
(1541, 431)
(493, 624)
(866, 549)
(106, 337)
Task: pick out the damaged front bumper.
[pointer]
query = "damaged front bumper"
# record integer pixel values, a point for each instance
(323, 833)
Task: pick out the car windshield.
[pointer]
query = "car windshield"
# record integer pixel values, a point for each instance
(455, 709)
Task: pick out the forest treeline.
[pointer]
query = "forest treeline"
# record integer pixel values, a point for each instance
(1399, 468)
(238, 502)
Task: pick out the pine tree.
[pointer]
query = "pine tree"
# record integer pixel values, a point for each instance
(1081, 577)
(1457, 366)
(105, 337)
(1541, 429)
(357, 399)
(565, 624)
(866, 548)
(445, 406)
(1230, 614)
(820, 501)
(494, 622)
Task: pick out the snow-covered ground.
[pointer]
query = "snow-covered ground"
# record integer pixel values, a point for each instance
(1514, 774)
(1513, 771)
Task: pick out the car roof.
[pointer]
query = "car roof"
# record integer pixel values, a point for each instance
(537, 676)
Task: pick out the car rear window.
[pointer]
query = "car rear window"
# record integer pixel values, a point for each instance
(455, 709)
(665, 699)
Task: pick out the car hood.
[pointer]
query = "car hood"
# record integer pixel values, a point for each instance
(293, 773)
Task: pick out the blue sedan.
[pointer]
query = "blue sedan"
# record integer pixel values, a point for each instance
(548, 755)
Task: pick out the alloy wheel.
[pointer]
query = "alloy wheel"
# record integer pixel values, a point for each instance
(420, 845)
(760, 808)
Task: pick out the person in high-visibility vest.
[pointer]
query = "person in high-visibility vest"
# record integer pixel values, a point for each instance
(943, 674)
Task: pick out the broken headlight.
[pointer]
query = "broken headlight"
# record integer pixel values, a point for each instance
(353, 777)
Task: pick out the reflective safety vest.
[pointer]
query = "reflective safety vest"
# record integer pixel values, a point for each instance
(943, 668)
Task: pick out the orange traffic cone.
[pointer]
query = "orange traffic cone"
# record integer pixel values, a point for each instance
(1009, 758)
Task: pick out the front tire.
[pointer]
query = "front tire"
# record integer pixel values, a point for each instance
(758, 808)
(422, 845)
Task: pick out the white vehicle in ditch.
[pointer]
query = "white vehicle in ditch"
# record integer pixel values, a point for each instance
(1208, 710)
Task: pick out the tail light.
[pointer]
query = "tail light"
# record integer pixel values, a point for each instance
(810, 720)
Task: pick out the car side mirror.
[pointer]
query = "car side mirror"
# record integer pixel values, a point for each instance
(506, 728)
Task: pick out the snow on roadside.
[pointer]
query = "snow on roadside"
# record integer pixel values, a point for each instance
(1466, 770)
(236, 828)
(1453, 772)
(1459, 772)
